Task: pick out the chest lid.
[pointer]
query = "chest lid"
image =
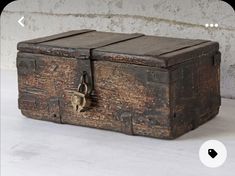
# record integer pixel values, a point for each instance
(155, 50)
(77, 43)
(119, 47)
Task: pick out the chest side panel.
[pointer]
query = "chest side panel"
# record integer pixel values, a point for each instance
(195, 92)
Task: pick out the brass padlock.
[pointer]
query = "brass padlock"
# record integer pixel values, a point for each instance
(80, 99)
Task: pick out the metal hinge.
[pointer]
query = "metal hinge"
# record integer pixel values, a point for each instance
(85, 66)
(82, 97)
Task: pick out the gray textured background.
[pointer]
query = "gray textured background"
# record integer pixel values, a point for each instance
(173, 18)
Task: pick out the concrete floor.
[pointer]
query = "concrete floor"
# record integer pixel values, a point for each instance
(35, 148)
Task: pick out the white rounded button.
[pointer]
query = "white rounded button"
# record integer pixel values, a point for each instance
(212, 153)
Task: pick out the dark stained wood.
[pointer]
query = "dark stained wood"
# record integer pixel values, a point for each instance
(147, 50)
(195, 94)
(150, 45)
(149, 89)
(57, 36)
(73, 44)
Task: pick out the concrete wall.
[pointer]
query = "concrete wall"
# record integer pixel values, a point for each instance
(174, 18)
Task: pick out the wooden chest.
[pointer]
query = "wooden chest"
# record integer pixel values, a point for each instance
(131, 83)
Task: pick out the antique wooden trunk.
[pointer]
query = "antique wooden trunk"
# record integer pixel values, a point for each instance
(131, 83)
